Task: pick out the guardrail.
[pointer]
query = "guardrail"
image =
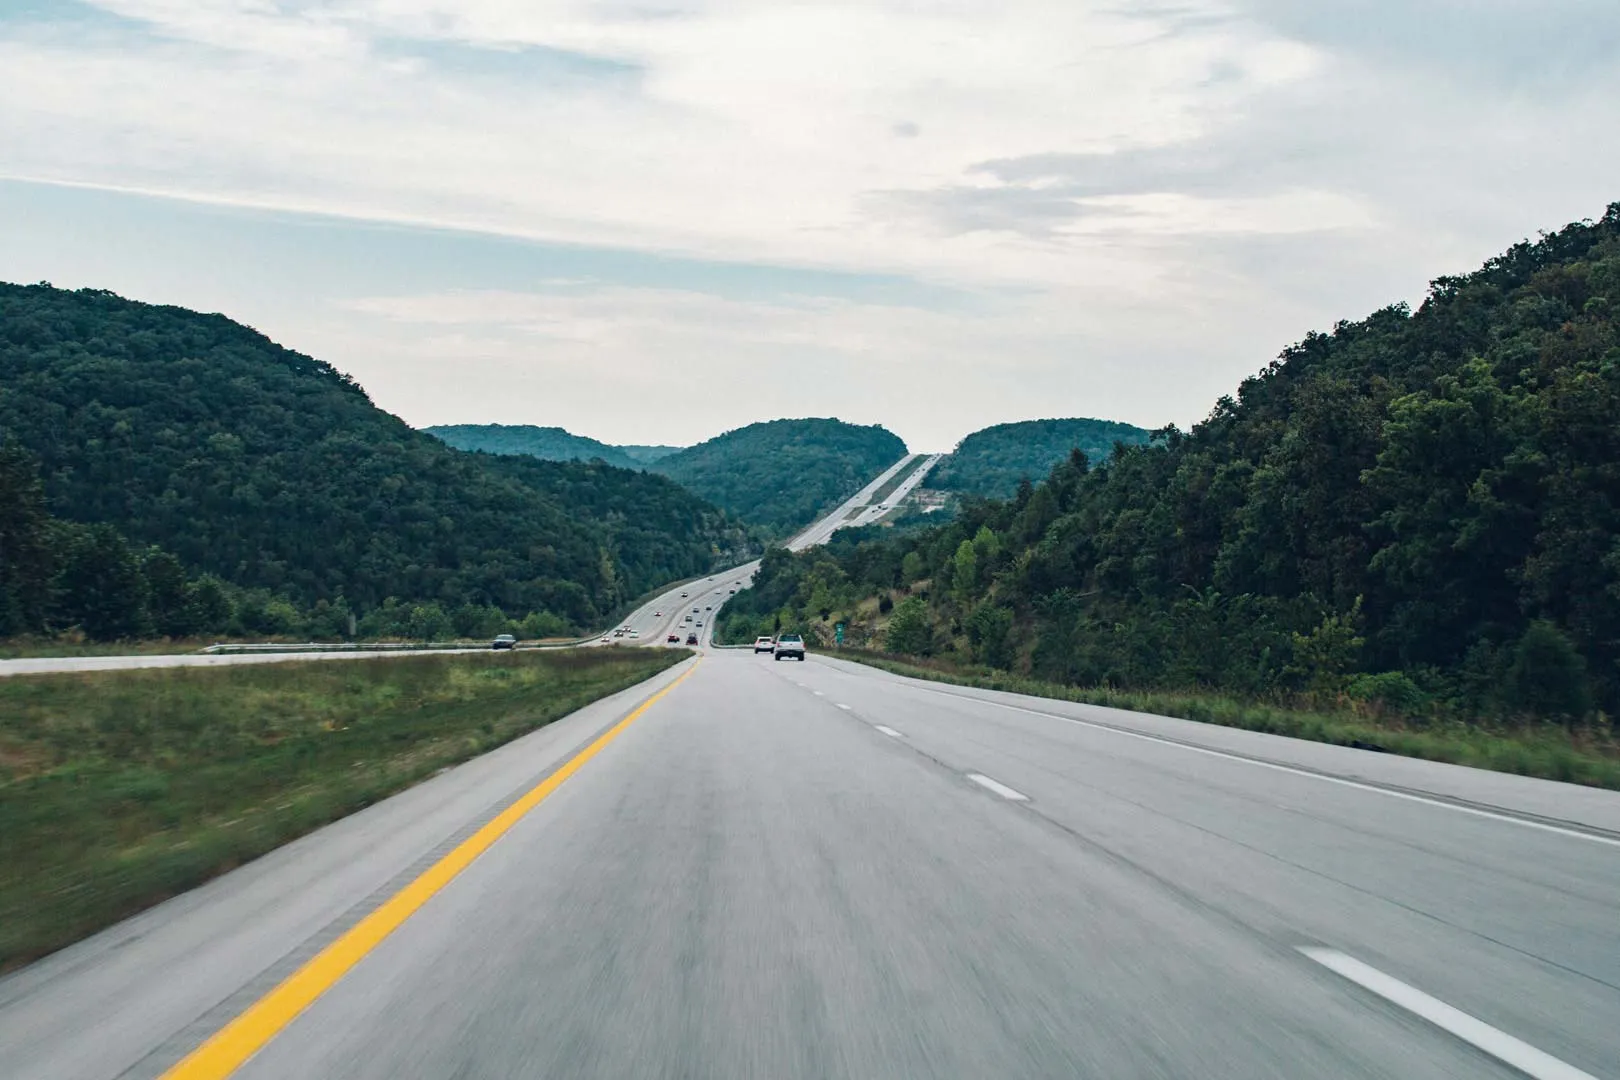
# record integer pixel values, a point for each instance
(375, 646)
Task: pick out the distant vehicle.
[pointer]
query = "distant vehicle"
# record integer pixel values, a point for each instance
(687, 619)
(733, 592)
(691, 639)
(657, 614)
(683, 596)
(618, 633)
(606, 640)
(763, 644)
(708, 607)
(673, 639)
(635, 633)
(503, 641)
(694, 611)
(700, 622)
(789, 645)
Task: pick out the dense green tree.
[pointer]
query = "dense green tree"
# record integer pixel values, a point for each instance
(25, 556)
(274, 472)
(99, 585)
(995, 462)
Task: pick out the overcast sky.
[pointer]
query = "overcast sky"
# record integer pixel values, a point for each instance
(652, 220)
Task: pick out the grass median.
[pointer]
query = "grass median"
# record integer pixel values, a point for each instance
(1591, 758)
(120, 789)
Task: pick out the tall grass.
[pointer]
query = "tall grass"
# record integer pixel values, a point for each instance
(1546, 752)
(119, 789)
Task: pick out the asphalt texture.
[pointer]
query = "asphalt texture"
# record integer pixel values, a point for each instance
(817, 869)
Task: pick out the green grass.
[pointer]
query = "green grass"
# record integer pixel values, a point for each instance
(1550, 753)
(119, 789)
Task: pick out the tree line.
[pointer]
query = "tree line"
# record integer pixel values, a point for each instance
(273, 474)
(1419, 510)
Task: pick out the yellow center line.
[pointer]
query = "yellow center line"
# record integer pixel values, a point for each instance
(233, 1044)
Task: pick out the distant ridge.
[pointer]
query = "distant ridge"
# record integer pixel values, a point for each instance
(991, 462)
(545, 443)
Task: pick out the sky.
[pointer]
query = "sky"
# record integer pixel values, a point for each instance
(649, 221)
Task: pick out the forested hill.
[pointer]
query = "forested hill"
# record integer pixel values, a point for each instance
(274, 471)
(991, 462)
(1419, 509)
(781, 473)
(545, 443)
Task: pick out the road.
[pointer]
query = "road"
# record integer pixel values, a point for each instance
(689, 608)
(822, 870)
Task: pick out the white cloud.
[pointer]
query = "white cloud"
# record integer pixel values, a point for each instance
(1142, 203)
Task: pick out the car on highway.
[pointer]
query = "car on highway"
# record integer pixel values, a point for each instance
(673, 639)
(789, 646)
(763, 644)
(503, 641)
(691, 639)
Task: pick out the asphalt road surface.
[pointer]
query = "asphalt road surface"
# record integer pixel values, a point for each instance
(782, 869)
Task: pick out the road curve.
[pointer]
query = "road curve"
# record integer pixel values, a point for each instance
(822, 870)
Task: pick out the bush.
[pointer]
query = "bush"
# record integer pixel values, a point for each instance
(1547, 676)
(909, 630)
(1388, 689)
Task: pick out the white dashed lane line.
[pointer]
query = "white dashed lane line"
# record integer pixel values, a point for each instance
(889, 731)
(1499, 1044)
(998, 787)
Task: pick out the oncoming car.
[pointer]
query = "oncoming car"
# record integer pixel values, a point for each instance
(504, 641)
(789, 646)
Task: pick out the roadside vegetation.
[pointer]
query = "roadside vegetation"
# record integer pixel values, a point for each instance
(120, 789)
(1408, 527)
(1588, 755)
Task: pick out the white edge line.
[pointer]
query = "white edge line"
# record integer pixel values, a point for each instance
(889, 731)
(1307, 773)
(1499, 1044)
(998, 787)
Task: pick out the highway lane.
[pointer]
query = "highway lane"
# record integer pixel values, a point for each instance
(817, 869)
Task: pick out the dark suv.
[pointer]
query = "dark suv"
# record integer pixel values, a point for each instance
(789, 646)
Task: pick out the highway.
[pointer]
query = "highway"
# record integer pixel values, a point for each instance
(757, 869)
(821, 870)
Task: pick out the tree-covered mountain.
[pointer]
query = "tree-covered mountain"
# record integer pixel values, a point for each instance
(991, 462)
(646, 455)
(545, 443)
(275, 472)
(782, 473)
(1418, 509)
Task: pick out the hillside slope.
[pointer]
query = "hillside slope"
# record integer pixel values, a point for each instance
(275, 471)
(991, 462)
(1419, 512)
(781, 473)
(545, 443)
